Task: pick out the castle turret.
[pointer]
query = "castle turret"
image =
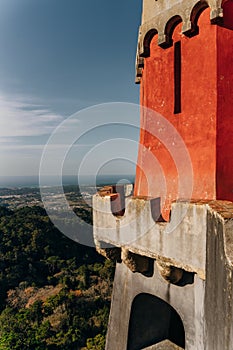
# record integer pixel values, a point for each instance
(173, 285)
(184, 66)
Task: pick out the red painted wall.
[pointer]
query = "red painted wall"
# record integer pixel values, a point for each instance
(225, 114)
(227, 6)
(205, 121)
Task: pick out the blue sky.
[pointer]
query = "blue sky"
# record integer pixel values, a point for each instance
(56, 58)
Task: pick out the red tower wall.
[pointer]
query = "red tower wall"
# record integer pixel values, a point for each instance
(225, 114)
(205, 120)
(227, 6)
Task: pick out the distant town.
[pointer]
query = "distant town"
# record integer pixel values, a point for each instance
(14, 198)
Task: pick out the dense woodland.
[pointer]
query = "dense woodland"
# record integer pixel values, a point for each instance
(55, 294)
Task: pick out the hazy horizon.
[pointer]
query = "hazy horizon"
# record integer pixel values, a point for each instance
(33, 180)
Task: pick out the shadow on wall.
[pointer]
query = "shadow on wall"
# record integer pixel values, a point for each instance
(227, 6)
(152, 320)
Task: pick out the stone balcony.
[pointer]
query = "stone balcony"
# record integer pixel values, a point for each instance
(134, 225)
(185, 264)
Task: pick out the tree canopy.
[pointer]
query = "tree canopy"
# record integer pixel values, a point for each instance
(55, 293)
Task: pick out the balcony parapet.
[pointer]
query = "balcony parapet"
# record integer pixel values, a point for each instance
(180, 243)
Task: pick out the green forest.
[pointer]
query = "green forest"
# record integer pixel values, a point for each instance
(55, 293)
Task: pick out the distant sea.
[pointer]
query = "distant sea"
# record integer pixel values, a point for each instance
(33, 181)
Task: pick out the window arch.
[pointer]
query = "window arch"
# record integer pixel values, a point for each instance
(194, 17)
(146, 42)
(169, 30)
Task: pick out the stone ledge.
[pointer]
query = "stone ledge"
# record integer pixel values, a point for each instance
(181, 242)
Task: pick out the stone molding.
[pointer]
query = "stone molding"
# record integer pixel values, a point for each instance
(161, 16)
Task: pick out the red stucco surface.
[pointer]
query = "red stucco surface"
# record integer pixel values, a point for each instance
(227, 6)
(225, 114)
(205, 122)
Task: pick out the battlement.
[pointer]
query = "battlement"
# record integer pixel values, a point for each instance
(181, 242)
